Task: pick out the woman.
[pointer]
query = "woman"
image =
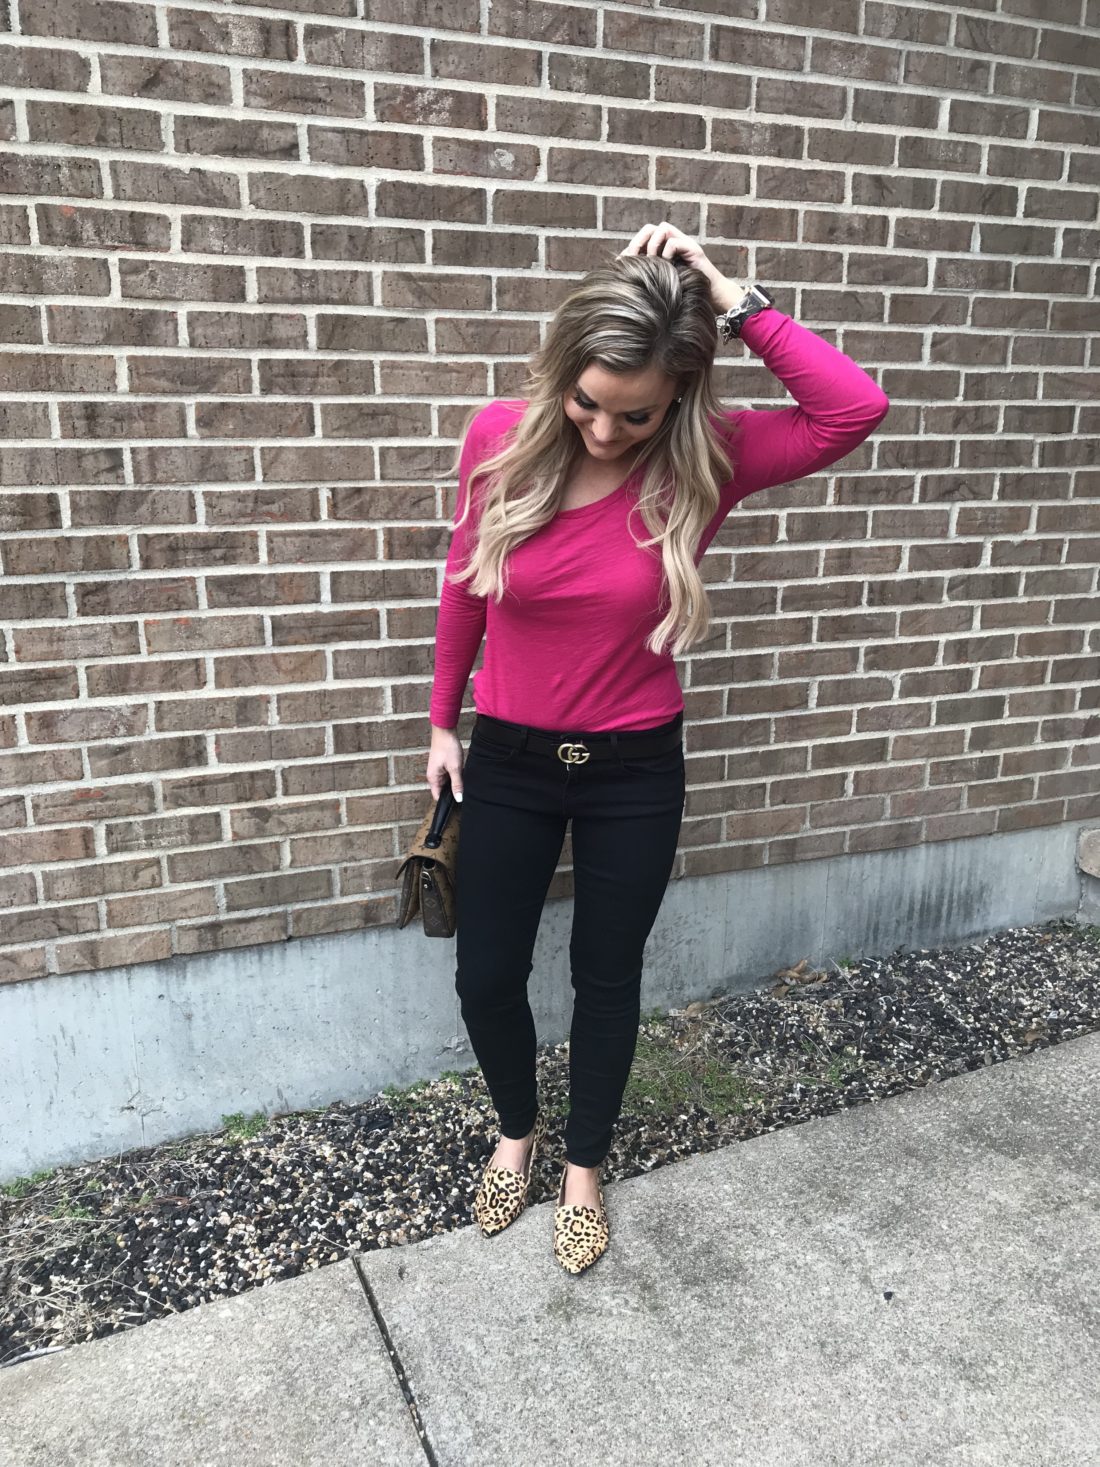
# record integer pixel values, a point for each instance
(601, 490)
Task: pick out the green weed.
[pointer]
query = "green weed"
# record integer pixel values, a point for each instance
(68, 1208)
(409, 1097)
(240, 1127)
(22, 1185)
(667, 1081)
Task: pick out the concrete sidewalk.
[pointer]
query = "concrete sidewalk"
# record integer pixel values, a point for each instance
(913, 1284)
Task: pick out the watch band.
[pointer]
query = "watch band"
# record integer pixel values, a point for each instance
(756, 298)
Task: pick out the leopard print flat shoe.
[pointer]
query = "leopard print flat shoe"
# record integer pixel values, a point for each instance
(502, 1195)
(580, 1233)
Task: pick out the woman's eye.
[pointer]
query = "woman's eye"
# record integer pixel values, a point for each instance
(637, 422)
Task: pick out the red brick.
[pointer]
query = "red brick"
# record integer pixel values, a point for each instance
(65, 555)
(114, 21)
(89, 126)
(107, 680)
(90, 953)
(189, 374)
(428, 106)
(215, 234)
(15, 229)
(172, 281)
(73, 177)
(93, 464)
(363, 50)
(98, 418)
(110, 326)
(672, 37)
(164, 593)
(303, 284)
(367, 147)
(236, 137)
(204, 937)
(242, 419)
(233, 34)
(303, 193)
(606, 76)
(197, 548)
(19, 323)
(501, 64)
(164, 184)
(93, 803)
(191, 633)
(112, 229)
(239, 332)
(190, 464)
(55, 372)
(44, 923)
(43, 68)
(24, 420)
(566, 25)
(384, 243)
(304, 93)
(162, 76)
(18, 965)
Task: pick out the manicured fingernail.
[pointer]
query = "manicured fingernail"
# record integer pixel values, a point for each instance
(458, 796)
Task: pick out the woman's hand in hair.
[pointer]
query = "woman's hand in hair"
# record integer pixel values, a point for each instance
(670, 243)
(445, 757)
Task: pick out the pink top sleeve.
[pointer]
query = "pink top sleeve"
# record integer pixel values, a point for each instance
(836, 406)
(460, 624)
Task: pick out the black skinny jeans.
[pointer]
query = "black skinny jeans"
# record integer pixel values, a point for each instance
(626, 815)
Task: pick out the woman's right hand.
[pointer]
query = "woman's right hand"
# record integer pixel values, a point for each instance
(445, 757)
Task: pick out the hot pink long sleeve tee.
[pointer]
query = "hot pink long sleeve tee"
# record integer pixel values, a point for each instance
(564, 649)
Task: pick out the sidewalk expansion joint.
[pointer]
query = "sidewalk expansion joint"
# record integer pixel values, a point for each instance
(395, 1361)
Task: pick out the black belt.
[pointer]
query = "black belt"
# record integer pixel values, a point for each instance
(572, 748)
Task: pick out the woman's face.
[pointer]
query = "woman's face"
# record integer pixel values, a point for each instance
(616, 411)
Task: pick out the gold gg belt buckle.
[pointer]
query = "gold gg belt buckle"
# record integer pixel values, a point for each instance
(568, 753)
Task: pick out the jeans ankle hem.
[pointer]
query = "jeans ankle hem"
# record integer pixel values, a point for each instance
(522, 1131)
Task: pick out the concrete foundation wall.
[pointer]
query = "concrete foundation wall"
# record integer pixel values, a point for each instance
(94, 1064)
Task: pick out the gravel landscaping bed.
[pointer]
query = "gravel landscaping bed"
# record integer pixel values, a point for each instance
(89, 1250)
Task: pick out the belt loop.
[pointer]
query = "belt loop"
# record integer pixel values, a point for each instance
(614, 742)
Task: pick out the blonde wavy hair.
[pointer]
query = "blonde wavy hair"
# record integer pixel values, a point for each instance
(627, 314)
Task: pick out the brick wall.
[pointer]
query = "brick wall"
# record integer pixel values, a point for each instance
(259, 260)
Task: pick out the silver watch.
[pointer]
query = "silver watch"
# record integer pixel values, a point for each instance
(756, 298)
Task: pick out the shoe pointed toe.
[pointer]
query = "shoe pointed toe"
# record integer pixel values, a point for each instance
(581, 1234)
(503, 1193)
